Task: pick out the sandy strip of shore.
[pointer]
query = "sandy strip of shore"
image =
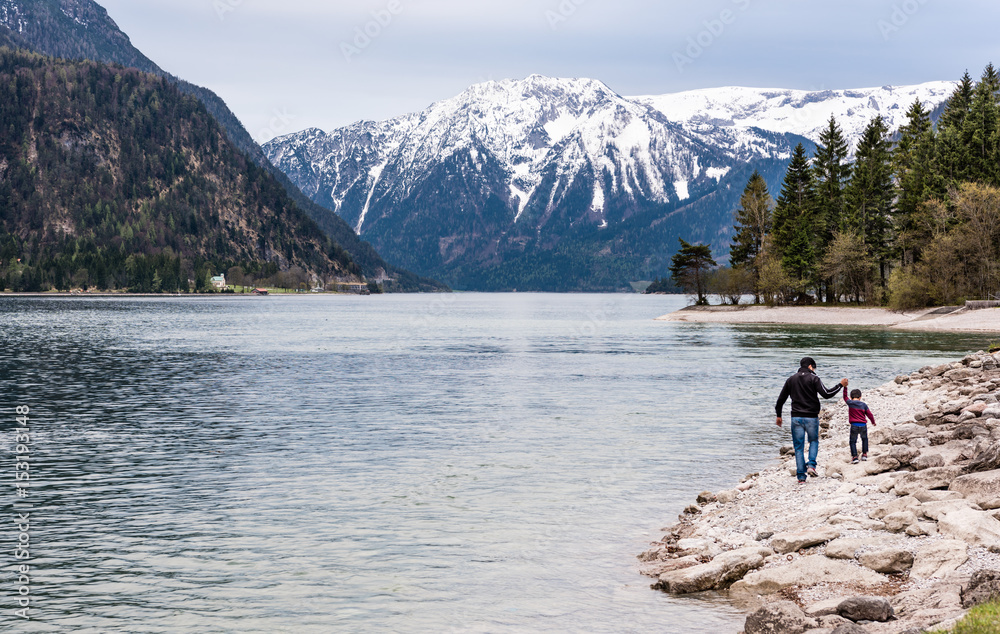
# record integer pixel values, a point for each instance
(930, 319)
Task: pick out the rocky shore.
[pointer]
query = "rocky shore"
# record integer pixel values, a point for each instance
(904, 542)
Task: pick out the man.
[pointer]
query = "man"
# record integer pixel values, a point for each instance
(805, 388)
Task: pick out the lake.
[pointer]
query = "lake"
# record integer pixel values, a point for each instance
(421, 463)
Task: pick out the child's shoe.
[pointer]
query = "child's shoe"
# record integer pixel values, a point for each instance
(854, 460)
(864, 457)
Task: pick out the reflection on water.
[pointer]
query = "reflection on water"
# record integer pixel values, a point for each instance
(425, 463)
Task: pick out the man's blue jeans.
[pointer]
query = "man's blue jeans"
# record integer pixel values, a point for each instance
(802, 427)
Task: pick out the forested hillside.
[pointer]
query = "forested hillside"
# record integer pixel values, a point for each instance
(82, 29)
(112, 178)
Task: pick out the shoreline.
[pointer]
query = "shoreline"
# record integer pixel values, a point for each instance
(947, 319)
(909, 539)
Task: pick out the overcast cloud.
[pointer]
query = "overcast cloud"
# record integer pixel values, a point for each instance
(285, 65)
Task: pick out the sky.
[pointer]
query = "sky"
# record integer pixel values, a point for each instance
(287, 65)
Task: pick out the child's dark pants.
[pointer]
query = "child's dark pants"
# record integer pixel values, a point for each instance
(859, 430)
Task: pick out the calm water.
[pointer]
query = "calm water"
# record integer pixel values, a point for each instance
(483, 463)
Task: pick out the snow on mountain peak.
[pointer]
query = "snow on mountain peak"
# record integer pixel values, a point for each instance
(801, 112)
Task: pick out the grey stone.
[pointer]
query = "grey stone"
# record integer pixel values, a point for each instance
(866, 609)
(936, 510)
(982, 488)
(726, 497)
(889, 561)
(905, 503)
(804, 571)
(984, 586)
(977, 528)
(844, 548)
(936, 559)
(988, 460)
(904, 453)
(937, 496)
(781, 617)
(902, 434)
(899, 522)
(791, 542)
(718, 573)
(658, 568)
(934, 478)
(927, 461)
(705, 497)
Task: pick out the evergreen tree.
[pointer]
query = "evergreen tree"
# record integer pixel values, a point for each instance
(689, 268)
(952, 155)
(795, 223)
(917, 180)
(753, 223)
(869, 196)
(831, 172)
(981, 130)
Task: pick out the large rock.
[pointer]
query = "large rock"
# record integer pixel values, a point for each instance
(899, 522)
(904, 453)
(805, 571)
(937, 510)
(984, 586)
(987, 460)
(927, 461)
(844, 548)
(902, 434)
(936, 559)
(850, 522)
(937, 496)
(791, 542)
(889, 560)
(718, 573)
(655, 569)
(977, 528)
(937, 478)
(983, 488)
(781, 617)
(898, 505)
(866, 609)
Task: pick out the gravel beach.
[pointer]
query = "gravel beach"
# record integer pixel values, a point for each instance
(907, 540)
(950, 319)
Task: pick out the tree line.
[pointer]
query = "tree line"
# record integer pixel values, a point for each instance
(912, 221)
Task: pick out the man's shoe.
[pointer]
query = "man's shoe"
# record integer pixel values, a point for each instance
(854, 460)
(864, 457)
(812, 472)
(802, 481)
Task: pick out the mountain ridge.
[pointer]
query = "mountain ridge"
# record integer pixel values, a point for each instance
(519, 170)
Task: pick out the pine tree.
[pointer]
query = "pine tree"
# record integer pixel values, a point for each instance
(795, 223)
(952, 155)
(753, 223)
(831, 172)
(917, 179)
(869, 196)
(981, 130)
(689, 268)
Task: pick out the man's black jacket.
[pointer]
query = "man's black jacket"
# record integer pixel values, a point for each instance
(805, 388)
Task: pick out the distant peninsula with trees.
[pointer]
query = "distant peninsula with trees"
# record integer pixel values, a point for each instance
(913, 221)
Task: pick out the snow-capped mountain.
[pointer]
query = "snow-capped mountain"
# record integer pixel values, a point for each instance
(562, 178)
(801, 112)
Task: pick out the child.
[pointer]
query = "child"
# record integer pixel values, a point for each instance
(859, 426)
